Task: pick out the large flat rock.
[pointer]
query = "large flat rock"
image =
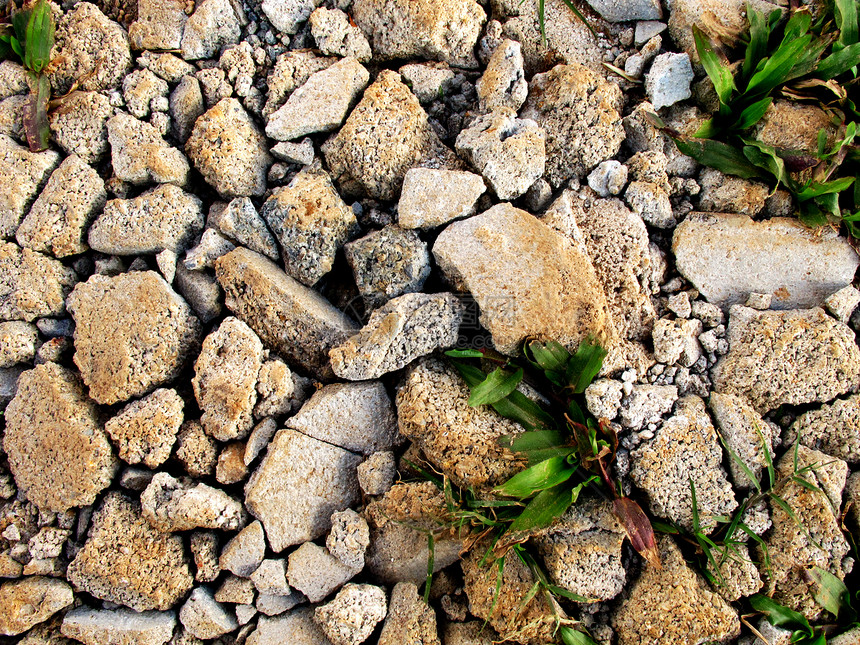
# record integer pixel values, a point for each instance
(728, 257)
(293, 320)
(528, 279)
(787, 357)
(299, 484)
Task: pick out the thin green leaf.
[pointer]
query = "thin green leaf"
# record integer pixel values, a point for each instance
(19, 24)
(564, 593)
(523, 410)
(665, 527)
(812, 216)
(541, 21)
(584, 365)
(798, 25)
(541, 476)
(431, 563)
(36, 123)
(723, 157)
(570, 636)
(548, 356)
(766, 157)
(845, 12)
(823, 188)
(546, 507)
(720, 74)
(40, 37)
(696, 526)
(16, 47)
(778, 615)
(822, 143)
(752, 114)
(831, 593)
(498, 384)
(791, 60)
(768, 457)
(464, 353)
(741, 464)
(838, 62)
(759, 35)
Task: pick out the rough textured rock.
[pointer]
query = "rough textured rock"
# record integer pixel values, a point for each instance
(503, 83)
(580, 113)
(195, 450)
(729, 256)
(500, 256)
(311, 222)
(399, 522)
(145, 430)
(582, 552)
(118, 626)
(296, 627)
(669, 80)
(676, 341)
(738, 575)
(185, 105)
(288, 15)
(30, 601)
(745, 433)
(213, 25)
(370, 426)
(17, 343)
(291, 70)
(428, 81)
(173, 505)
(608, 178)
(793, 357)
(139, 89)
(685, 448)
(31, 284)
(504, 605)
(321, 103)
(351, 617)
(726, 194)
(296, 322)
(165, 217)
(89, 49)
(126, 561)
(794, 126)
(673, 604)
(226, 378)
(349, 538)
(57, 449)
(336, 36)
(445, 30)
(624, 10)
(385, 135)
(409, 618)
(298, 485)
(244, 553)
(24, 174)
(82, 128)
(431, 198)
(204, 617)
(387, 264)
(833, 429)
(159, 24)
(212, 245)
(240, 221)
(279, 391)
(617, 243)
(651, 202)
(821, 541)
(229, 150)
(509, 152)
(461, 441)
(141, 156)
(405, 328)
(316, 572)
(133, 334)
(60, 215)
(376, 473)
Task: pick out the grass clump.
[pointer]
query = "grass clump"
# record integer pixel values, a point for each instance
(28, 37)
(800, 60)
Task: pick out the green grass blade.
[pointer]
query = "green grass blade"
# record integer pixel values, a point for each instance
(798, 25)
(584, 365)
(523, 410)
(759, 35)
(719, 155)
(464, 353)
(839, 62)
(831, 592)
(431, 563)
(20, 19)
(741, 464)
(40, 37)
(696, 526)
(498, 384)
(845, 12)
(752, 114)
(825, 188)
(720, 75)
(780, 67)
(541, 22)
(551, 356)
(543, 510)
(778, 615)
(765, 157)
(541, 476)
(570, 636)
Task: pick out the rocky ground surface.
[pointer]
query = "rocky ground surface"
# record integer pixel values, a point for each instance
(224, 287)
